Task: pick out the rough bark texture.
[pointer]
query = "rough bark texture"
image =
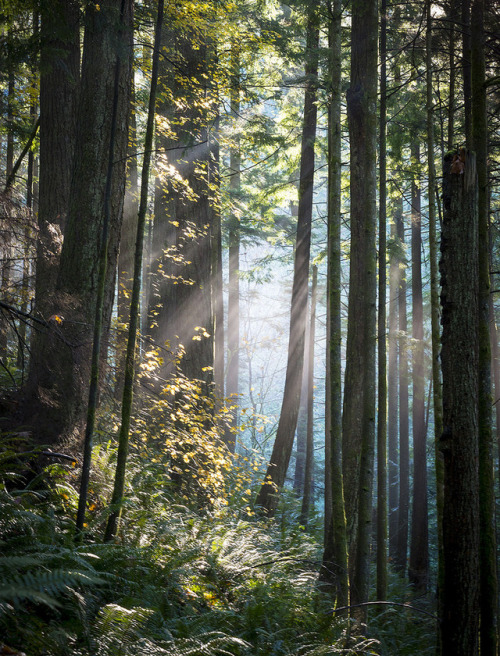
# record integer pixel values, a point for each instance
(418, 569)
(359, 393)
(488, 547)
(66, 346)
(59, 83)
(268, 496)
(459, 441)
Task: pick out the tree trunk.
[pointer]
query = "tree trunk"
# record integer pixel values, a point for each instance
(309, 459)
(268, 496)
(126, 254)
(359, 402)
(466, 70)
(488, 547)
(418, 569)
(334, 567)
(233, 301)
(184, 312)
(434, 283)
(459, 441)
(404, 449)
(128, 385)
(67, 343)
(59, 85)
(382, 319)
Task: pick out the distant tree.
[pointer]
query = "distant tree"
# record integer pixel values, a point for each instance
(418, 570)
(268, 496)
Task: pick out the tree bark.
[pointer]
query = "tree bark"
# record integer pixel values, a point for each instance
(128, 385)
(334, 567)
(404, 448)
(434, 283)
(309, 455)
(67, 344)
(382, 319)
(488, 547)
(418, 569)
(233, 301)
(359, 395)
(459, 441)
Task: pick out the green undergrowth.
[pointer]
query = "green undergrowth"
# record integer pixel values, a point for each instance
(177, 581)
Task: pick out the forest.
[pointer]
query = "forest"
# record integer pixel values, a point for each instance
(249, 358)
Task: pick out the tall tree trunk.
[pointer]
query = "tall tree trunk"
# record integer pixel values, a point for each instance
(6, 251)
(268, 496)
(418, 569)
(359, 435)
(126, 254)
(67, 344)
(233, 301)
(334, 567)
(392, 395)
(216, 265)
(451, 54)
(434, 283)
(488, 548)
(128, 386)
(459, 441)
(180, 306)
(309, 459)
(381, 338)
(404, 449)
(59, 84)
(301, 437)
(466, 70)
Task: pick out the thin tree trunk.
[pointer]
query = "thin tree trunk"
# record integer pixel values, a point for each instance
(268, 496)
(126, 255)
(335, 566)
(459, 441)
(301, 437)
(128, 386)
(233, 301)
(418, 569)
(309, 460)
(451, 54)
(382, 319)
(434, 283)
(466, 71)
(392, 396)
(488, 547)
(99, 317)
(404, 449)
